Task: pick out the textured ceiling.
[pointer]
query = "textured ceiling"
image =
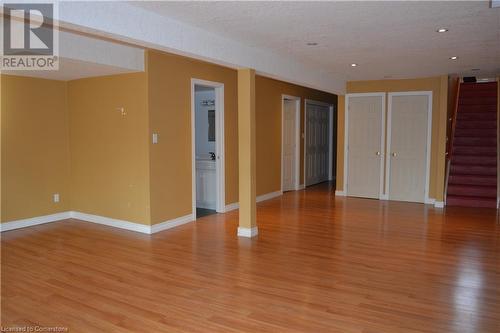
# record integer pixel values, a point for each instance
(387, 39)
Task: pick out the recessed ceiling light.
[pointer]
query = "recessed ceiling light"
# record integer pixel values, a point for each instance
(440, 30)
(353, 65)
(312, 44)
(454, 58)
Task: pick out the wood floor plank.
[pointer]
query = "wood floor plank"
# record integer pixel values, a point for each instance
(319, 264)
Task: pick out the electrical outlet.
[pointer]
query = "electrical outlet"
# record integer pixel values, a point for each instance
(56, 197)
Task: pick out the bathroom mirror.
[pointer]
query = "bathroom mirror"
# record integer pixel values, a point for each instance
(211, 125)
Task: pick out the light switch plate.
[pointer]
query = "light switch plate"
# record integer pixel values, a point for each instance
(155, 138)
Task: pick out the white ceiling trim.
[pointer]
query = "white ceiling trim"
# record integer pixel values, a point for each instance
(73, 69)
(93, 50)
(127, 23)
(82, 56)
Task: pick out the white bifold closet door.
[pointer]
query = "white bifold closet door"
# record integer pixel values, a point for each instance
(407, 147)
(365, 126)
(317, 143)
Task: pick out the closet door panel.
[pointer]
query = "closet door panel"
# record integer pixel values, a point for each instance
(365, 150)
(408, 148)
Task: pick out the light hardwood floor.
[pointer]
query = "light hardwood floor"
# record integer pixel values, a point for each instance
(319, 264)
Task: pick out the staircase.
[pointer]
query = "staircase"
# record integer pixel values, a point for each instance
(472, 180)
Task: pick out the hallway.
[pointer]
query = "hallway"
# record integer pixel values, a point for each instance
(319, 264)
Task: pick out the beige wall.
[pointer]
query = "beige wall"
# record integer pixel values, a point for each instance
(439, 88)
(35, 150)
(268, 94)
(1, 148)
(115, 170)
(109, 152)
(169, 84)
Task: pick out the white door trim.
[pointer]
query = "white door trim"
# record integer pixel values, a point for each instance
(346, 139)
(219, 144)
(330, 133)
(297, 138)
(426, 198)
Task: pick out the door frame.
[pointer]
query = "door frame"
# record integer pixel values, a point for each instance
(297, 138)
(330, 134)
(219, 144)
(346, 139)
(426, 198)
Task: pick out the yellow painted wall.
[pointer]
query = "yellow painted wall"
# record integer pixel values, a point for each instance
(439, 88)
(169, 84)
(108, 160)
(1, 146)
(1, 140)
(35, 150)
(109, 152)
(268, 94)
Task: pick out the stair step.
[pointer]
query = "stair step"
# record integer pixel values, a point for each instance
(472, 180)
(477, 108)
(472, 190)
(477, 101)
(478, 93)
(474, 151)
(483, 124)
(478, 86)
(463, 201)
(474, 160)
(464, 169)
(472, 141)
(476, 132)
(477, 115)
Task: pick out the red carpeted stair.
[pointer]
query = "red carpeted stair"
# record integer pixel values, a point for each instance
(472, 180)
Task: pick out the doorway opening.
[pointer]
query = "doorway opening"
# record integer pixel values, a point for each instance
(290, 143)
(207, 128)
(319, 140)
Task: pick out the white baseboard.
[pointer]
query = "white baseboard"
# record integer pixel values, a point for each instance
(127, 225)
(430, 201)
(384, 197)
(17, 224)
(248, 232)
(300, 187)
(268, 196)
(232, 206)
(340, 193)
(171, 223)
(132, 226)
(260, 198)
(439, 204)
(122, 224)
